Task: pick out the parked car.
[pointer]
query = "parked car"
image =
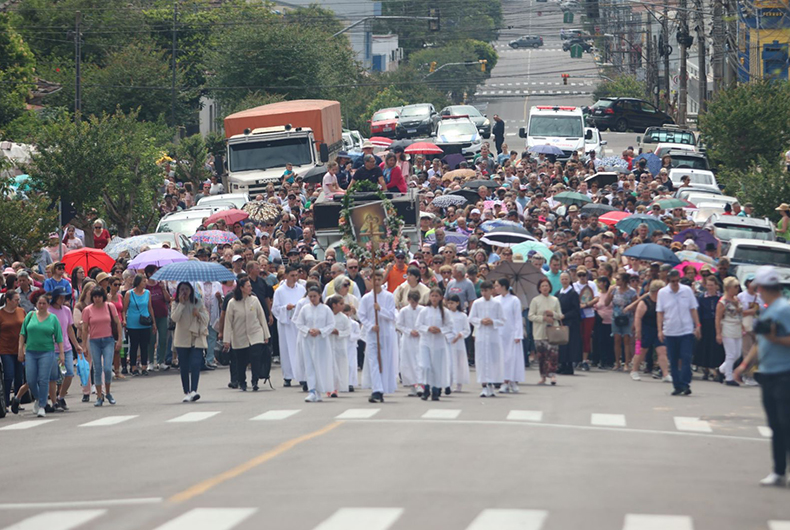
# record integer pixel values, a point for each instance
(384, 122)
(701, 179)
(352, 140)
(727, 227)
(482, 122)
(570, 34)
(527, 41)
(417, 120)
(174, 240)
(683, 193)
(586, 46)
(744, 272)
(623, 114)
(667, 136)
(751, 252)
(458, 135)
(186, 221)
(593, 142)
(234, 200)
(688, 159)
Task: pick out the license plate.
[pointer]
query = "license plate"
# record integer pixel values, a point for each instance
(410, 131)
(387, 129)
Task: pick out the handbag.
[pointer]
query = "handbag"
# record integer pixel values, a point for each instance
(83, 370)
(558, 335)
(144, 320)
(113, 324)
(621, 321)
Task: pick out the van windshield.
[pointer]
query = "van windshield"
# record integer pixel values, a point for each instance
(267, 154)
(727, 232)
(559, 126)
(761, 255)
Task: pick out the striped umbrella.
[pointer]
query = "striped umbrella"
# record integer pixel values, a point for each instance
(194, 271)
(214, 237)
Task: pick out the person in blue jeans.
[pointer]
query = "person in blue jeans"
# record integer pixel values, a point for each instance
(38, 339)
(97, 322)
(677, 331)
(189, 339)
(138, 309)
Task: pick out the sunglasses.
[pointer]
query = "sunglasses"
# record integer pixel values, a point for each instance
(352, 267)
(346, 284)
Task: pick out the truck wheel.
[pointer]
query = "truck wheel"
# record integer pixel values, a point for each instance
(621, 125)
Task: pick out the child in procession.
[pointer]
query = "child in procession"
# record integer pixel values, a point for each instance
(510, 336)
(353, 342)
(487, 318)
(436, 330)
(406, 324)
(298, 364)
(459, 368)
(315, 323)
(339, 340)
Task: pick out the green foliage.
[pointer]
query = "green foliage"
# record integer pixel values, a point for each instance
(25, 222)
(387, 98)
(191, 155)
(747, 122)
(17, 71)
(104, 165)
(215, 143)
(624, 86)
(455, 79)
(25, 128)
(765, 183)
(314, 17)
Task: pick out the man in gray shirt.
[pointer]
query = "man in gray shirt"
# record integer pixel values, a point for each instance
(461, 286)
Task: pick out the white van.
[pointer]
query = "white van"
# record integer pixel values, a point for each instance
(562, 127)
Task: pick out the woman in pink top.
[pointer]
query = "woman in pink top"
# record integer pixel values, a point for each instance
(329, 183)
(97, 321)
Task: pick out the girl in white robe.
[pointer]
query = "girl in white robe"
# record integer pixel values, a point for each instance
(339, 340)
(436, 330)
(511, 335)
(459, 368)
(298, 359)
(315, 323)
(353, 342)
(286, 296)
(487, 318)
(406, 324)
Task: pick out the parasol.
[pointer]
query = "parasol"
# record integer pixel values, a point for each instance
(597, 209)
(87, 258)
(132, 245)
(612, 218)
(157, 256)
(230, 216)
(262, 211)
(214, 237)
(630, 223)
(528, 246)
(423, 148)
(194, 271)
(652, 252)
(444, 201)
(507, 236)
(546, 149)
(380, 141)
(314, 175)
(571, 197)
(701, 237)
(523, 278)
(463, 173)
(474, 184)
(653, 162)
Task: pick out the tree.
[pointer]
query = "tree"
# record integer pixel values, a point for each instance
(458, 68)
(25, 222)
(747, 122)
(387, 98)
(104, 165)
(16, 72)
(191, 155)
(314, 17)
(624, 86)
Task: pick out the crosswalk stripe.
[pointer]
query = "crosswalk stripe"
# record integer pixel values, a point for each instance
(24, 425)
(525, 415)
(57, 520)
(441, 414)
(109, 420)
(357, 414)
(509, 520)
(209, 519)
(683, 423)
(608, 420)
(657, 522)
(275, 415)
(778, 525)
(361, 519)
(765, 431)
(192, 417)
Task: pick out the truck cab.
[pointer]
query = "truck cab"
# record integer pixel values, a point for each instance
(560, 126)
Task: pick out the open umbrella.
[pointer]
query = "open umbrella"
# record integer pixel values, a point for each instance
(157, 256)
(487, 226)
(453, 160)
(401, 144)
(545, 149)
(463, 173)
(423, 148)
(613, 161)
(528, 246)
(474, 184)
(653, 162)
(469, 194)
(630, 223)
(571, 197)
(671, 203)
(262, 210)
(695, 257)
(652, 252)
(380, 141)
(87, 258)
(443, 201)
(621, 170)
(696, 266)
(214, 237)
(230, 216)
(194, 271)
(523, 278)
(314, 175)
(603, 178)
(132, 245)
(507, 236)
(701, 237)
(612, 218)
(597, 209)
(458, 239)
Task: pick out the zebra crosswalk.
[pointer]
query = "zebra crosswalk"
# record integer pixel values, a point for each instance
(533, 93)
(369, 518)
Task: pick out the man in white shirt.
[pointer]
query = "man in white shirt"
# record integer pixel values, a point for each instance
(676, 330)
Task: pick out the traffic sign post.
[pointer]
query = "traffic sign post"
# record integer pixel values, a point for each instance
(567, 17)
(577, 51)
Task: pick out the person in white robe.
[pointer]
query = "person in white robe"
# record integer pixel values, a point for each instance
(511, 335)
(353, 341)
(286, 297)
(385, 380)
(436, 330)
(315, 323)
(459, 368)
(406, 325)
(339, 340)
(298, 363)
(487, 318)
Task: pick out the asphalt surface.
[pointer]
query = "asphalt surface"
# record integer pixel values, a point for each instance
(598, 451)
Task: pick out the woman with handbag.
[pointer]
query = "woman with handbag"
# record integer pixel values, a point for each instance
(545, 311)
(190, 337)
(101, 331)
(570, 306)
(621, 295)
(138, 314)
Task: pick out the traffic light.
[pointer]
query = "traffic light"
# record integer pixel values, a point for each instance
(483, 63)
(565, 78)
(433, 66)
(435, 23)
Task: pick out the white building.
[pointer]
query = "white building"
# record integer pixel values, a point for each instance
(386, 53)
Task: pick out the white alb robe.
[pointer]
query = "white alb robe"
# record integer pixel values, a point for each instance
(385, 381)
(459, 369)
(353, 340)
(512, 351)
(298, 362)
(434, 347)
(317, 351)
(340, 351)
(286, 330)
(409, 346)
(488, 346)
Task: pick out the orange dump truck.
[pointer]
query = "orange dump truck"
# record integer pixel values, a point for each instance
(262, 140)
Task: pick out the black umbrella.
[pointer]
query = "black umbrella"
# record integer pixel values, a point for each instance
(477, 183)
(523, 277)
(469, 195)
(597, 209)
(603, 178)
(403, 144)
(453, 160)
(314, 175)
(507, 236)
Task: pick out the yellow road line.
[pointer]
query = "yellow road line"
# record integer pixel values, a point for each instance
(203, 487)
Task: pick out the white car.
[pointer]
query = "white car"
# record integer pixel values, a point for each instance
(755, 252)
(186, 221)
(700, 178)
(593, 142)
(458, 134)
(665, 147)
(235, 200)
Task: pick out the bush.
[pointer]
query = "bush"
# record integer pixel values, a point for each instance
(624, 86)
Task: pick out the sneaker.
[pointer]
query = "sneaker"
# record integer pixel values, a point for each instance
(41, 413)
(195, 396)
(62, 404)
(490, 390)
(187, 398)
(312, 397)
(254, 388)
(732, 383)
(677, 391)
(318, 397)
(287, 383)
(749, 381)
(86, 398)
(135, 373)
(667, 379)
(448, 391)
(687, 391)
(15, 405)
(635, 376)
(484, 392)
(150, 368)
(514, 387)
(124, 371)
(233, 384)
(110, 399)
(505, 388)
(49, 408)
(413, 391)
(333, 395)
(99, 402)
(435, 398)
(585, 366)
(93, 389)
(145, 372)
(35, 406)
(773, 479)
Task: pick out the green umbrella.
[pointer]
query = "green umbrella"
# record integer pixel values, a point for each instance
(571, 197)
(527, 246)
(672, 203)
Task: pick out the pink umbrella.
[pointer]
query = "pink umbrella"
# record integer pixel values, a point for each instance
(423, 148)
(694, 264)
(380, 141)
(612, 218)
(230, 216)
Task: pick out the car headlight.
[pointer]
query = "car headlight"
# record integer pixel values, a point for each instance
(486, 123)
(477, 141)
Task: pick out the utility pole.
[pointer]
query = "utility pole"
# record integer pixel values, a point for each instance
(701, 57)
(650, 79)
(665, 34)
(683, 35)
(731, 45)
(77, 66)
(173, 95)
(717, 61)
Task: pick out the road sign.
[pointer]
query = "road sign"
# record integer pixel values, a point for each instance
(577, 51)
(567, 17)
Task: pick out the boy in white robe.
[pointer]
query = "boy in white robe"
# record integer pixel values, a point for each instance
(339, 340)
(285, 299)
(459, 368)
(406, 325)
(511, 335)
(436, 330)
(487, 318)
(384, 381)
(315, 323)
(353, 344)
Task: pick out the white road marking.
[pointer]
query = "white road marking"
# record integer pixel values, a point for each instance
(357, 414)
(192, 417)
(60, 520)
(683, 423)
(209, 519)
(275, 415)
(79, 504)
(361, 519)
(608, 420)
(525, 415)
(658, 522)
(778, 525)
(109, 420)
(441, 414)
(509, 520)
(25, 425)
(765, 431)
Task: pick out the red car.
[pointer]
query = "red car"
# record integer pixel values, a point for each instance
(383, 122)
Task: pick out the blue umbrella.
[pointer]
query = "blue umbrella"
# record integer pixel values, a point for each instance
(612, 161)
(546, 149)
(194, 271)
(458, 239)
(630, 223)
(487, 226)
(653, 162)
(652, 252)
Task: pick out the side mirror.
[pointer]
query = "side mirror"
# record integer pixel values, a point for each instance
(433, 135)
(588, 135)
(323, 151)
(604, 142)
(522, 132)
(639, 139)
(781, 240)
(721, 187)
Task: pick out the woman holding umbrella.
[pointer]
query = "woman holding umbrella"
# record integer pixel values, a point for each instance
(189, 338)
(571, 310)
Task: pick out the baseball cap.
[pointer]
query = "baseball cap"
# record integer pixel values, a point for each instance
(608, 234)
(56, 292)
(474, 211)
(400, 254)
(766, 276)
(236, 258)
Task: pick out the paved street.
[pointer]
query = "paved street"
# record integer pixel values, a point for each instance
(598, 451)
